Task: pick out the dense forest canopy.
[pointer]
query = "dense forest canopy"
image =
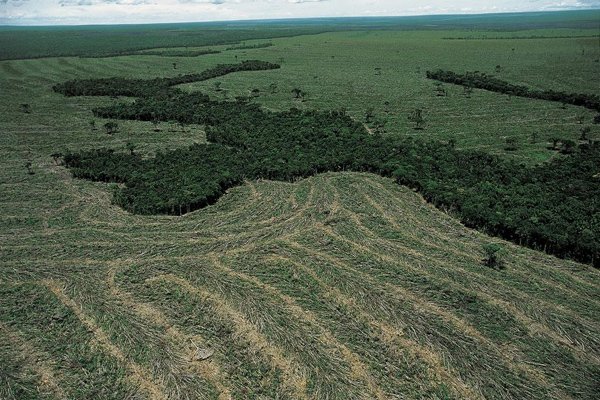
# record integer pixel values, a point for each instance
(552, 207)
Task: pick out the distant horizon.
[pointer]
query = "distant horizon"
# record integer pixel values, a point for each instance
(285, 19)
(44, 13)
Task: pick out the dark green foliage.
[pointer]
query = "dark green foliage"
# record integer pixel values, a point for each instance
(493, 255)
(250, 46)
(483, 81)
(151, 87)
(551, 207)
(111, 127)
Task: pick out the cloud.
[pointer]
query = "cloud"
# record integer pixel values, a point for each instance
(78, 3)
(27, 12)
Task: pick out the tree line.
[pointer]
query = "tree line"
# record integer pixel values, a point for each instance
(484, 81)
(117, 86)
(551, 207)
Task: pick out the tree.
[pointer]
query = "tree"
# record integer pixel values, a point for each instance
(555, 142)
(511, 144)
(585, 131)
(534, 137)
(298, 94)
(369, 115)
(498, 69)
(468, 91)
(174, 65)
(273, 88)
(131, 147)
(440, 90)
(56, 157)
(255, 92)
(92, 124)
(217, 85)
(568, 147)
(416, 117)
(493, 255)
(28, 165)
(26, 108)
(111, 127)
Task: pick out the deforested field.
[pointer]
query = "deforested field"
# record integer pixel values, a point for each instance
(338, 284)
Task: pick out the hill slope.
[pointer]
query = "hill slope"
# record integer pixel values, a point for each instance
(338, 286)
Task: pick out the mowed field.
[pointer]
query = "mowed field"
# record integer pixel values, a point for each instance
(339, 286)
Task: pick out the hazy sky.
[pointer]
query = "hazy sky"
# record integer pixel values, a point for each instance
(136, 11)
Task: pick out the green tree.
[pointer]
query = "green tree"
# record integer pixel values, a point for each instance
(131, 147)
(26, 108)
(510, 144)
(494, 254)
(416, 117)
(111, 127)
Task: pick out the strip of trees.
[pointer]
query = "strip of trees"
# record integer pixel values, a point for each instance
(551, 207)
(152, 87)
(482, 80)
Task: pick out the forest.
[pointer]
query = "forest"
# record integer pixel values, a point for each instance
(152, 87)
(551, 207)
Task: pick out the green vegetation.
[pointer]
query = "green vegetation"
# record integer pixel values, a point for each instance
(484, 81)
(315, 284)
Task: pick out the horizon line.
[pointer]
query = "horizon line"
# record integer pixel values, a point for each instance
(283, 19)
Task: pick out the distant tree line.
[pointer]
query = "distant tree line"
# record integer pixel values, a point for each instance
(482, 80)
(177, 53)
(250, 46)
(551, 207)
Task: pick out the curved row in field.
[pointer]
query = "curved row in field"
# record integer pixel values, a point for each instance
(313, 309)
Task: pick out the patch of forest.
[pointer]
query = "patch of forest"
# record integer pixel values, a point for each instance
(177, 53)
(147, 88)
(481, 80)
(250, 46)
(551, 207)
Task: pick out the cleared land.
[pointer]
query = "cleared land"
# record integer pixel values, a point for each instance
(341, 286)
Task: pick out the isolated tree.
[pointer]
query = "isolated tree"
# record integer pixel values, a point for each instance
(255, 92)
(298, 93)
(498, 69)
(440, 90)
(585, 131)
(510, 144)
(568, 146)
(174, 65)
(493, 255)
(369, 115)
(217, 85)
(452, 143)
(28, 165)
(534, 137)
(273, 88)
(468, 91)
(111, 127)
(56, 157)
(131, 147)
(555, 142)
(26, 108)
(416, 117)
(378, 127)
(378, 71)
(92, 124)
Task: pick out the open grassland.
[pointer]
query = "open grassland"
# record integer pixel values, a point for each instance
(338, 286)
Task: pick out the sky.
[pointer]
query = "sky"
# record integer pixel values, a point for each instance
(79, 12)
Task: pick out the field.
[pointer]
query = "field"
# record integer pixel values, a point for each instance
(338, 286)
